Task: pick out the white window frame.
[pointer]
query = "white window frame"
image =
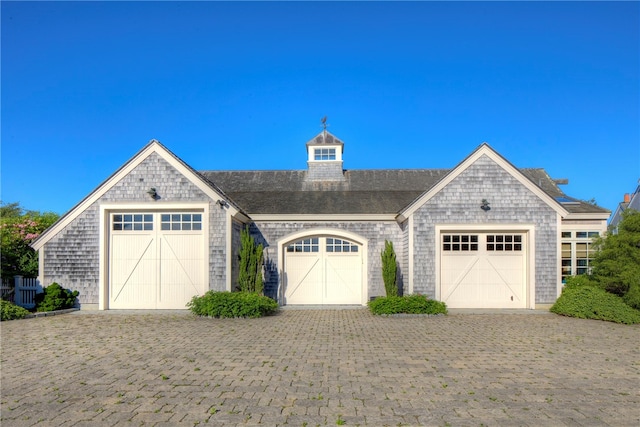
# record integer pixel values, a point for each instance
(573, 241)
(335, 150)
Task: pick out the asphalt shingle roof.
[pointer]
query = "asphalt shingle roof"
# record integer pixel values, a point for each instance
(382, 191)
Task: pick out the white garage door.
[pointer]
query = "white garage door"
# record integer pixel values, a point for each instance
(323, 270)
(156, 260)
(483, 270)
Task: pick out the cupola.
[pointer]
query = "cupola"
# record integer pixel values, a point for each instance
(325, 158)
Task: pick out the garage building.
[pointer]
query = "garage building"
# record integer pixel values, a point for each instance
(484, 234)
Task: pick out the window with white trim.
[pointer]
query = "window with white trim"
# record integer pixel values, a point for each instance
(305, 245)
(459, 242)
(181, 221)
(339, 245)
(504, 242)
(324, 154)
(132, 222)
(577, 252)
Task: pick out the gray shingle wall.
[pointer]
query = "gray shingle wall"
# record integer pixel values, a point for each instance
(71, 258)
(510, 201)
(269, 233)
(325, 171)
(402, 256)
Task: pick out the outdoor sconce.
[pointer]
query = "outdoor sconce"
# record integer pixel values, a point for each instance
(153, 193)
(223, 204)
(485, 205)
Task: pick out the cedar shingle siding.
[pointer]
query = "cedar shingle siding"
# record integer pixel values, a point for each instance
(401, 206)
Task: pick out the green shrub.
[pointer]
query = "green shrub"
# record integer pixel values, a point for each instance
(632, 297)
(389, 269)
(580, 280)
(10, 311)
(410, 304)
(593, 302)
(232, 304)
(55, 297)
(251, 260)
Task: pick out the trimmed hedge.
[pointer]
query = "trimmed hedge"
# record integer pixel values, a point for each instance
(10, 311)
(592, 302)
(409, 304)
(55, 297)
(232, 304)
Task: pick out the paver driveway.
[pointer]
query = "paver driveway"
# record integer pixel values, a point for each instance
(319, 367)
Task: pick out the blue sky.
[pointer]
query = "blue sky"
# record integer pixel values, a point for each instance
(243, 85)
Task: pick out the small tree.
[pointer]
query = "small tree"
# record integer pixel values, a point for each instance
(18, 228)
(389, 269)
(616, 264)
(250, 275)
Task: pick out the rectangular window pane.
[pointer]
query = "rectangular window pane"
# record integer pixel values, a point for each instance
(566, 234)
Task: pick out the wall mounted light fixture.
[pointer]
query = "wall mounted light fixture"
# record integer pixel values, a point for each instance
(223, 204)
(485, 205)
(153, 193)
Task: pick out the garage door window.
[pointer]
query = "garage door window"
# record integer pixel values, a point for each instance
(339, 245)
(132, 222)
(181, 221)
(459, 242)
(304, 245)
(504, 242)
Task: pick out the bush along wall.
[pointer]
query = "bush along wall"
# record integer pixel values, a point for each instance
(232, 304)
(55, 297)
(407, 304)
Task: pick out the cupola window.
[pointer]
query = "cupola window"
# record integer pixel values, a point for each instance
(324, 154)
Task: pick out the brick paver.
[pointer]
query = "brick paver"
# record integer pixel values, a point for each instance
(319, 367)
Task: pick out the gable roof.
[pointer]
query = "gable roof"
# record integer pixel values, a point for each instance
(370, 192)
(153, 146)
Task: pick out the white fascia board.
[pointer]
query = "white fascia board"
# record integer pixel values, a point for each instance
(322, 218)
(484, 149)
(587, 216)
(153, 147)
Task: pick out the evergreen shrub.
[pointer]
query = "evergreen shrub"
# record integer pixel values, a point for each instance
(232, 304)
(55, 297)
(389, 269)
(592, 302)
(10, 311)
(409, 304)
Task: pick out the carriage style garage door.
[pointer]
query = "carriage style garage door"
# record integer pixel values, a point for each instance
(323, 270)
(483, 270)
(156, 260)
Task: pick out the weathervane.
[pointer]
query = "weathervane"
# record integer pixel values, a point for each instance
(324, 125)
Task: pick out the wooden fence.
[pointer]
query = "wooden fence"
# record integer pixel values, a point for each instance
(22, 292)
